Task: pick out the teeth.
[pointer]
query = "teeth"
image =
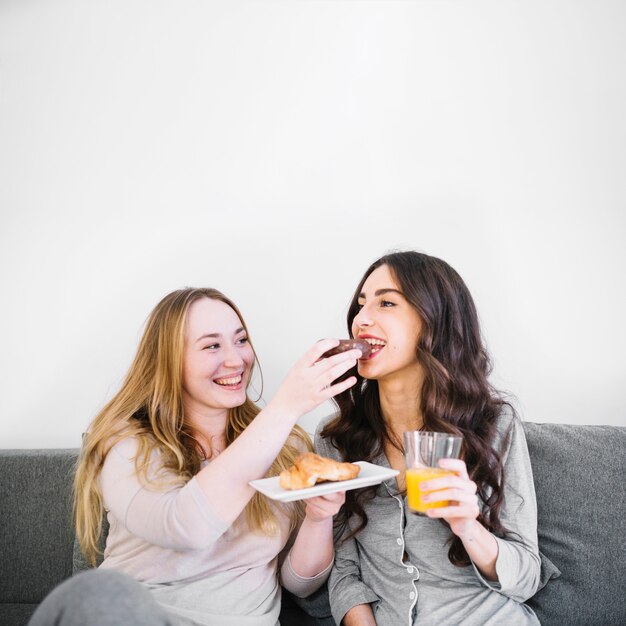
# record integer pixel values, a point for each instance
(375, 342)
(229, 381)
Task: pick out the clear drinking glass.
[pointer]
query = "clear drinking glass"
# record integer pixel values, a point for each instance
(423, 450)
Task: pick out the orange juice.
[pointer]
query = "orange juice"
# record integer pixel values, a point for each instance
(414, 477)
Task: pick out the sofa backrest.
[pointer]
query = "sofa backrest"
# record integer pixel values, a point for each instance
(580, 480)
(579, 474)
(36, 535)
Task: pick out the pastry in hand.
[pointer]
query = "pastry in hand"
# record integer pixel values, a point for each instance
(309, 469)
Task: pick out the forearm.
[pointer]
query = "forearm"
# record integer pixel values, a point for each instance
(312, 551)
(359, 615)
(482, 548)
(225, 479)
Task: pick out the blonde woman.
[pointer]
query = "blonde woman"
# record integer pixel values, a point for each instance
(169, 460)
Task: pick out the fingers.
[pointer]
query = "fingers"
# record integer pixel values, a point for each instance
(338, 496)
(335, 390)
(335, 366)
(314, 353)
(456, 489)
(451, 481)
(455, 465)
(323, 507)
(329, 500)
(456, 495)
(461, 503)
(310, 383)
(453, 511)
(329, 369)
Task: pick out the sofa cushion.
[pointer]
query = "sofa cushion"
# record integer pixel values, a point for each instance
(579, 479)
(16, 614)
(35, 522)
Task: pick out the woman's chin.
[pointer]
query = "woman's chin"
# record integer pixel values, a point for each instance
(230, 398)
(366, 370)
(237, 399)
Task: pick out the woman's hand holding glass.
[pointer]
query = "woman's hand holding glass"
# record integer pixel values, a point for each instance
(462, 509)
(461, 513)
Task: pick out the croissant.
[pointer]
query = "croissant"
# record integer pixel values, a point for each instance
(310, 468)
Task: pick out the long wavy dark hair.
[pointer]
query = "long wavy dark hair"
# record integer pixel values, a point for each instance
(456, 396)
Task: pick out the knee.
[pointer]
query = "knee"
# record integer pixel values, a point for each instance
(98, 596)
(103, 581)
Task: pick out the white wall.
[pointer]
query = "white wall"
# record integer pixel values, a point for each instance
(274, 149)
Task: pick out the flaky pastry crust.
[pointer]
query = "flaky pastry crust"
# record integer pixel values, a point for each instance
(309, 469)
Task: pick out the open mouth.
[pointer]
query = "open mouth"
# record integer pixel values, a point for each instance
(376, 344)
(232, 382)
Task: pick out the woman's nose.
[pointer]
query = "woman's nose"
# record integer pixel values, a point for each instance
(233, 358)
(362, 318)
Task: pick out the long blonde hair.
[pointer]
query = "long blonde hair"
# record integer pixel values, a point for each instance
(149, 407)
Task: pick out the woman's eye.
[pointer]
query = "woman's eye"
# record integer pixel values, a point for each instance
(359, 306)
(242, 340)
(387, 303)
(212, 346)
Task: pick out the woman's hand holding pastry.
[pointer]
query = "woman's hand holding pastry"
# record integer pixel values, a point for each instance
(322, 507)
(460, 492)
(310, 381)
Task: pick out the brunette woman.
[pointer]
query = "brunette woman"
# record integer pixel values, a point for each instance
(475, 560)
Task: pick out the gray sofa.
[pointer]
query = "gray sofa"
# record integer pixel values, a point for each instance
(580, 478)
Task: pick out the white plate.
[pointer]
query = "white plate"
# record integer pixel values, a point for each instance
(370, 474)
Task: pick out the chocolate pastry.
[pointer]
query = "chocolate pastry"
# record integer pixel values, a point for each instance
(350, 344)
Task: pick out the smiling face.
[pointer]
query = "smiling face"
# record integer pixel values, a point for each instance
(217, 359)
(391, 325)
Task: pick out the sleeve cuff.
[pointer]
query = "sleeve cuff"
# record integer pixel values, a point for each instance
(352, 594)
(205, 508)
(492, 584)
(509, 567)
(302, 586)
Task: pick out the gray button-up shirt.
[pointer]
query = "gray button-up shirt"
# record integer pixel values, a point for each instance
(423, 587)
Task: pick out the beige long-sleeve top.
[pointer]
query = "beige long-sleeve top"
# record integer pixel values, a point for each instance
(399, 562)
(201, 570)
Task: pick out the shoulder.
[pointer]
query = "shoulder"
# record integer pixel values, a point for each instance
(118, 468)
(510, 438)
(126, 449)
(506, 421)
(133, 446)
(134, 453)
(121, 452)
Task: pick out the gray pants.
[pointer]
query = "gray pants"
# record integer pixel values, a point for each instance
(100, 597)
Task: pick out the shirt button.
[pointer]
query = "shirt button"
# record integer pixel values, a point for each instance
(412, 595)
(410, 570)
(399, 541)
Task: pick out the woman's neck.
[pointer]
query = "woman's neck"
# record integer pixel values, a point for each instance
(400, 404)
(209, 428)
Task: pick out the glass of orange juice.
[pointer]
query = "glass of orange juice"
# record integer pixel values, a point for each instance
(423, 450)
